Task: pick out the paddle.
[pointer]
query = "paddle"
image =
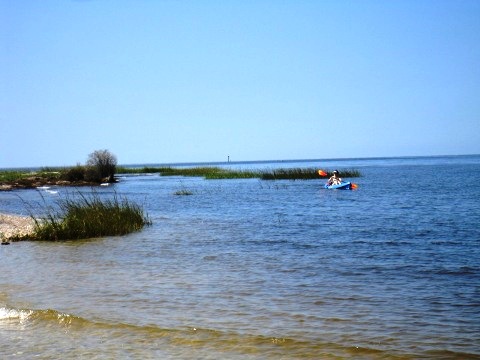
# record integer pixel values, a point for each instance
(322, 173)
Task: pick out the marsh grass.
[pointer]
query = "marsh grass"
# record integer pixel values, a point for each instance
(305, 174)
(142, 170)
(213, 172)
(11, 175)
(88, 216)
(19, 174)
(208, 172)
(290, 174)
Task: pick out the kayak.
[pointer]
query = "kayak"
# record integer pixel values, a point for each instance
(341, 186)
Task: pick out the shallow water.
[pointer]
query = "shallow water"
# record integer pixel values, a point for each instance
(251, 269)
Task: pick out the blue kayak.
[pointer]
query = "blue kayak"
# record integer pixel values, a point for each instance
(341, 186)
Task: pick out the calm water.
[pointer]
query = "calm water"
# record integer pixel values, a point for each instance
(251, 269)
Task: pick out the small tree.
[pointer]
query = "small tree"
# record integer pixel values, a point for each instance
(104, 163)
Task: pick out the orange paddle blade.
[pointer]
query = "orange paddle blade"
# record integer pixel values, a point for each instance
(322, 173)
(354, 186)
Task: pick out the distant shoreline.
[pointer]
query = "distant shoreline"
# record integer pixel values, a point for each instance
(239, 162)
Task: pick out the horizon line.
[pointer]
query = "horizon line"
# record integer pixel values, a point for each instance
(229, 162)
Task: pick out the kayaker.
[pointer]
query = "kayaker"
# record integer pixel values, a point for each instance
(334, 179)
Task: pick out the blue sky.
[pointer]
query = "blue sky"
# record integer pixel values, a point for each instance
(191, 81)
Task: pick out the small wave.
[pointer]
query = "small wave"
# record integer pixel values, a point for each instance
(6, 313)
(194, 341)
(190, 340)
(460, 271)
(38, 316)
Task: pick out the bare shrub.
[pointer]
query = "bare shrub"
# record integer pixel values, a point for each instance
(104, 163)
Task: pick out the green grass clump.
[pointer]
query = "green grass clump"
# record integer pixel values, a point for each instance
(219, 173)
(88, 217)
(194, 171)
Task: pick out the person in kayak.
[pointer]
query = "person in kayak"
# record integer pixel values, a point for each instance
(334, 179)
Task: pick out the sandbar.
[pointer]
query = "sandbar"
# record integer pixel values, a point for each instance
(15, 226)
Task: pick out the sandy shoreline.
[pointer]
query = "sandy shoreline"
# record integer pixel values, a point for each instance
(15, 225)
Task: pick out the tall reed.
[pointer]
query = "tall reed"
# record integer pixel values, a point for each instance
(88, 216)
(290, 174)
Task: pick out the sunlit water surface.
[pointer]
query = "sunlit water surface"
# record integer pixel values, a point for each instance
(252, 269)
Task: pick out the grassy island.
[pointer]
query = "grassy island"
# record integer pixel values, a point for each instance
(67, 176)
(100, 168)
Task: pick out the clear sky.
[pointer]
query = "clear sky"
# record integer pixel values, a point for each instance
(164, 81)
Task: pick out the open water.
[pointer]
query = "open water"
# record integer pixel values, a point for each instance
(252, 269)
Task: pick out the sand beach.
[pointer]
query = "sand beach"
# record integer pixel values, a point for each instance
(12, 226)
